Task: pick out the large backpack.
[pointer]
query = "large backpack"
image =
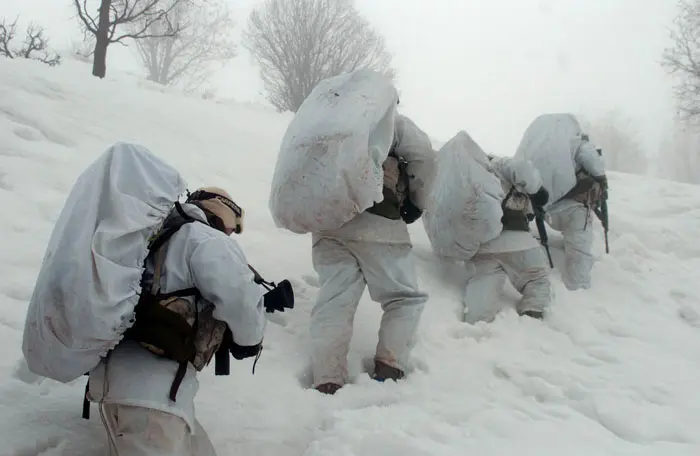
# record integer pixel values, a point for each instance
(329, 167)
(464, 209)
(90, 279)
(550, 143)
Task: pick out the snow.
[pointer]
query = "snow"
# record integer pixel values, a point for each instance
(613, 372)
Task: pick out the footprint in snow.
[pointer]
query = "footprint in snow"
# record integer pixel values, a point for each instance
(23, 374)
(689, 315)
(477, 332)
(19, 292)
(4, 184)
(603, 355)
(44, 447)
(28, 133)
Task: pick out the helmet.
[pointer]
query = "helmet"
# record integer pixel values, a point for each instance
(222, 213)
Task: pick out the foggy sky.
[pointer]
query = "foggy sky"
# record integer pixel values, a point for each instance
(486, 66)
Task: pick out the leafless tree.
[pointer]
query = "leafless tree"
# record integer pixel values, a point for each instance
(203, 38)
(298, 43)
(683, 58)
(113, 15)
(84, 49)
(34, 47)
(679, 155)
(619, 141)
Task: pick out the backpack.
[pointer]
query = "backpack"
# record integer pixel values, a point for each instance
(329, 168)
(89, 283)
(464, 208)
(550, 143)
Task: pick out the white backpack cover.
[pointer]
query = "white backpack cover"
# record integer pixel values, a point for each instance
(550, 143)
(329, 167)
(464, 209)
(89, 282)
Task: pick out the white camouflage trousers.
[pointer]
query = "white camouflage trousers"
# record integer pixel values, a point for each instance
(344, 269)
(527, 270)
(140, 431)
(576, 225)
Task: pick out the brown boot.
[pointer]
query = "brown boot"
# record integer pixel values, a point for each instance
(383, 371)
(328, 388)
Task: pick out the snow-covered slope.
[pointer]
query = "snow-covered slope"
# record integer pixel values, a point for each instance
(614, 371)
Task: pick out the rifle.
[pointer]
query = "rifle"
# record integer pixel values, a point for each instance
(601, 211)
(278, 297)
(542, 230)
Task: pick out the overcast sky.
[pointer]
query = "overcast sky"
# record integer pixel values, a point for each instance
(485, 66)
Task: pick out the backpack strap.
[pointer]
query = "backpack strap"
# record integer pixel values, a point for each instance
(160, 326)
(168, 230)
(170, 326)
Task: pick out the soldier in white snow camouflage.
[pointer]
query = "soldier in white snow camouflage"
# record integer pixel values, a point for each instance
(573, 172)
(373, 250)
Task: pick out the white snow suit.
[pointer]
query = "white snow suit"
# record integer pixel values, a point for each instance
(132, 384)
(514, 254)
(557, 147)
(373, 251)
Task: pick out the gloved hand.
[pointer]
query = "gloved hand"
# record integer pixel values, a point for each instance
(410, 212)
(279, 298)
(540, 198)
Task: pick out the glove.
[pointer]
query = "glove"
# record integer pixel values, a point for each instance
(241, 352)
(540, 198)
(279, 298)
(410, 212)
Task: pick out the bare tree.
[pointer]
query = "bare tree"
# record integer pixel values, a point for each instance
(34, 47)
(84, 49)
(683, 59)
(679, 155)
(204, 38)
(298, 43)
(111, 15)
(620, 143)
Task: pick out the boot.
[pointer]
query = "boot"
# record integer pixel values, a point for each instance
(328, 388)
(383, 371)
(537, 314)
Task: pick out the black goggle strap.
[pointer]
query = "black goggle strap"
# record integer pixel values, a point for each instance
(201, 195)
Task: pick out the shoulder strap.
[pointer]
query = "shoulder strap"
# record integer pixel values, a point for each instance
(171, 227)
(157, 248)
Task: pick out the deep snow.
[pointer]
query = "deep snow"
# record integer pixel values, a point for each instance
(614, 371)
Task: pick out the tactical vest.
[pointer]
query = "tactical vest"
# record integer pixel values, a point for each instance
(176, 325)
(395, 189)
(515, 208)
(587, 190)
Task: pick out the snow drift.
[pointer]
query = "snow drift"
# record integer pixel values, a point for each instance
(612, 372)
